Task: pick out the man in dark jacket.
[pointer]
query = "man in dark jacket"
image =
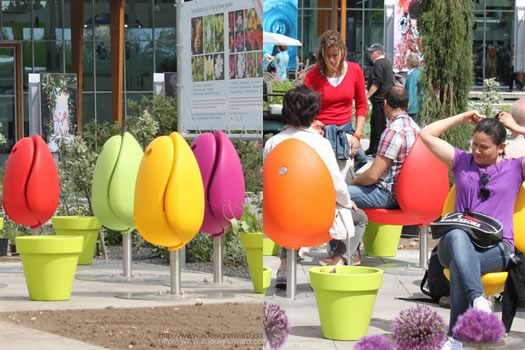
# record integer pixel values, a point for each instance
(381, 79)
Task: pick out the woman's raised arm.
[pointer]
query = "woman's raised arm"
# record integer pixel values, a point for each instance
(440, 148)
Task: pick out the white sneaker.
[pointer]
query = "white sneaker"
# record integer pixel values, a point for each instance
(482, 304)
(452, 344)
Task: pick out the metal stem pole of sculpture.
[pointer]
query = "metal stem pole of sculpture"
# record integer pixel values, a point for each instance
(218, 254)
(291, 273)
(175, 273)
(126, 255)
(423, 247)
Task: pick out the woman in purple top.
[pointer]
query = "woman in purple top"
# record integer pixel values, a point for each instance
(486, 183)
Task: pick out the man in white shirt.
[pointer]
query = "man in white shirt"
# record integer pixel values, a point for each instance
(516, 147)
(300, 107)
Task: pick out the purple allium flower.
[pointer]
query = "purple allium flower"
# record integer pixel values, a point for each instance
(418, 328)
(275, 326)
(373, 342)
(478, 327)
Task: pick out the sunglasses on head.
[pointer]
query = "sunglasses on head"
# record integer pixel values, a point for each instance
(484, 192)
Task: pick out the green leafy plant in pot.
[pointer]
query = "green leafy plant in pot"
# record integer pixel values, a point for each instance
(249, 229)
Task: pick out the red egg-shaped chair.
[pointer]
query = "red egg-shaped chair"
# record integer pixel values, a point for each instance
(421, 189)
(223, 180)
(31, 186)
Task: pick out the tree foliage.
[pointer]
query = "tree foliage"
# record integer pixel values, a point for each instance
(446, 29)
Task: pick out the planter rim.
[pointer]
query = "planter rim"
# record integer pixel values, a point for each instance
(346, 278)
(49, 244)
(252, 240)
(75, 222)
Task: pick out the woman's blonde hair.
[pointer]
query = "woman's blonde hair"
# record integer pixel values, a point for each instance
(331, 38)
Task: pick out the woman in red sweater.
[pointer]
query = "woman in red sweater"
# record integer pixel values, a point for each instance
(341, 84)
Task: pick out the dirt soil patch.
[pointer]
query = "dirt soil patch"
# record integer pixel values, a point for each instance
(213, 326)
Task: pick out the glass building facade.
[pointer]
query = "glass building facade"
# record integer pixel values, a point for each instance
(43, 27)
(494, 32)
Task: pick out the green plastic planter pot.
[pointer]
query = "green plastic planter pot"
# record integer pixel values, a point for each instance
(49, 263)
(345, 299)
(267, 278)
(84, 226)
(270, 248)
(381, 240)
(252, 243)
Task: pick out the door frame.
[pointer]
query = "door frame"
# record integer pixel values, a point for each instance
(19, 89)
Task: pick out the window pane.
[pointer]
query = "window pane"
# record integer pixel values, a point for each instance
(312, 23)
(373, 29)
(16, 19)
(319, 4)
(501, 5)
(7, 119)
(499, 34)
(165, 21)
(103, 65)
(7, 72)
(104, 107)
(367, 4)
(47, 20)
(139, 66)
(27, 60)
(478, 48)
(67, 48)
(48, 57)
(102, 20)
(88, 65)
(479, 5)
(88, 108)
(354, 36)
(138, 20)
(166, 57)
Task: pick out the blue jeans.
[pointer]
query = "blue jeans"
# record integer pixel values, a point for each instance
(467, 263)
(372, 196)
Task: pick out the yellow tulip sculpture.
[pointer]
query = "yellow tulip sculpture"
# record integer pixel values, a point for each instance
(169, 193)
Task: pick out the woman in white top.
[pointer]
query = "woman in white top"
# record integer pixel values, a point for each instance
(300, 107)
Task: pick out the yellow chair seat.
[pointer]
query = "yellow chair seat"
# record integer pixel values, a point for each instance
(493, 283)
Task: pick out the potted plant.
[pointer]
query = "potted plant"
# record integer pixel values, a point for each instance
(76, 162)
(345, 297)
(3, 239)
(249, 229)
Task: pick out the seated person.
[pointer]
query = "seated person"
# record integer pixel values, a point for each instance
(300, 107)
(485, 183)
(515, 122)
(375, 187)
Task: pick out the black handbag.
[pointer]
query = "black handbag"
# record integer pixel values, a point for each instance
(483, 230)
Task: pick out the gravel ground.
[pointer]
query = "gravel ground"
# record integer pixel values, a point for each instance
(146, 255)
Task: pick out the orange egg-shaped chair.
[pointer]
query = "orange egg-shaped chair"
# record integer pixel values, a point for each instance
(299, 196)
(31, 186)
(494, 282)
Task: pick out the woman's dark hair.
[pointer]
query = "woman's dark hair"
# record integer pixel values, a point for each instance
(493, 128)
(300, 107)
(331, 38)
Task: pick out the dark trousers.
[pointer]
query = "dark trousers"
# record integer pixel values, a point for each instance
(377, 125)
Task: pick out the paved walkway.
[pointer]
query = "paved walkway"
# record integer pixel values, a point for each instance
(397, 282)
(100, 295)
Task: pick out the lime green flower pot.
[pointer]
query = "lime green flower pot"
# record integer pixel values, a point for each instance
(252, 243)
(49, 263)
(345, 299)
(381, 240)
(84, 226)
(270, 248)
(267, 278)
